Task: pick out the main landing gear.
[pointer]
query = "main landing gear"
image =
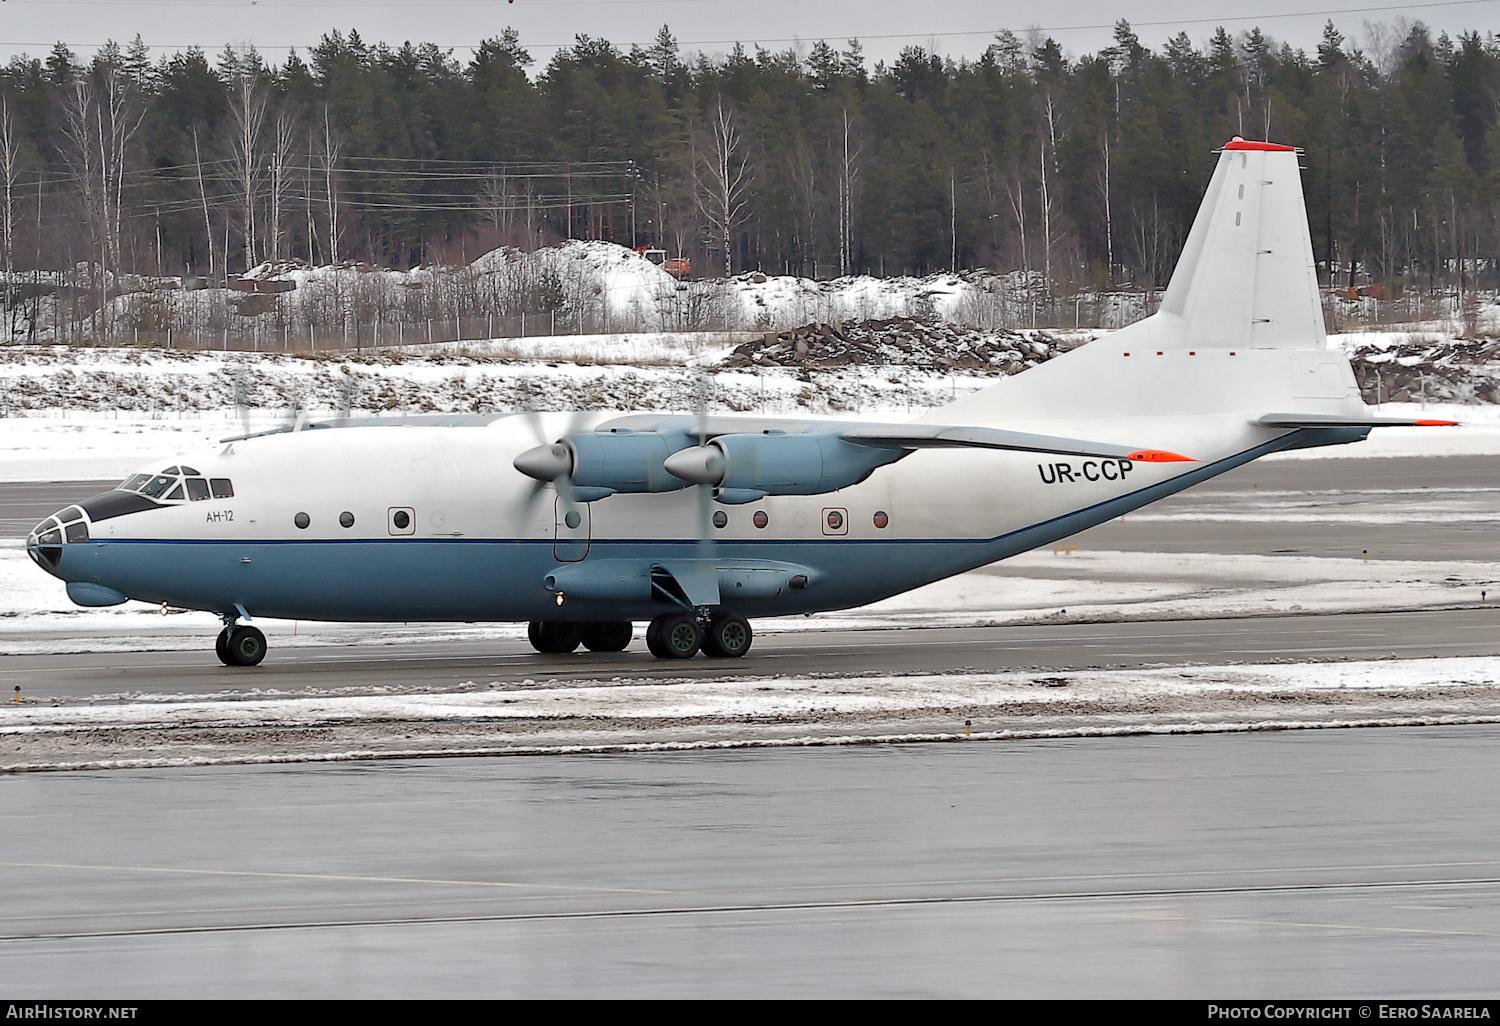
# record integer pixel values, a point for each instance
(670, 636)
(558, 638)
(239, 646)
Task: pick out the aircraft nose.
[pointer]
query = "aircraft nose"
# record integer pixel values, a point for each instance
(46, 541)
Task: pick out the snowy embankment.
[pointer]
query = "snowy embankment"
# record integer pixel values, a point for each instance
(489, 718)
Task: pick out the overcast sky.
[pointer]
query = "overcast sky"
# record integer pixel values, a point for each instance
(956, 27)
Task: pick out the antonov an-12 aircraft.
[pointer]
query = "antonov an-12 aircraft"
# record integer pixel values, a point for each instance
(584, 523)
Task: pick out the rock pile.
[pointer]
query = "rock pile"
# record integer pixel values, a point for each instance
(1416, 369)
(902, 341)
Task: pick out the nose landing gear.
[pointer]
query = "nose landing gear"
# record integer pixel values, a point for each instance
(239, 646)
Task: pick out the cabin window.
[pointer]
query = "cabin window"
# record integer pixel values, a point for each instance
(881, 520)
(302, 520)
(760, 519)
(346, 519)
(222, 488)
(197, 488)
(154, 487)
(175, 495)
(721, 519)
(78, 533)
(401, 520)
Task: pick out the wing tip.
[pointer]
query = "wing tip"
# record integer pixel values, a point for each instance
(1436, 423)
(1158, 456)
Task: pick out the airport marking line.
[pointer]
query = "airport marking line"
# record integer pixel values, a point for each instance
(732, 909)
(1235, 921)
(332, 877)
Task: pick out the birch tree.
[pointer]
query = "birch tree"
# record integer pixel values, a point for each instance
(332, 146)
(10, 163)
(725, 179)
(848, 172)
(283, 135)
(247, 114)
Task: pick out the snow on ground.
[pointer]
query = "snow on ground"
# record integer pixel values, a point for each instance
(117, 731)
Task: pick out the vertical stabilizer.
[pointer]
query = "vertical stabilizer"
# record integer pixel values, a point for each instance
(1246, 278)
(1239, 333)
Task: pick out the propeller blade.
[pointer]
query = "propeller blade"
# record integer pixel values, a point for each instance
(242, 397)
(701, 387)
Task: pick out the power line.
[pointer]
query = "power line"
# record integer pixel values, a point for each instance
(1155, 23)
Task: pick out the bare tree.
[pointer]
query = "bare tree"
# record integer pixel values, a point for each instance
(98, 126)
(282, 137)
(208, 227)
(247, 113)
(1016, 188)
(10, 163)
(1109, 225)
(332, 146)
(497, 202)
(848, 173)
(725, 180)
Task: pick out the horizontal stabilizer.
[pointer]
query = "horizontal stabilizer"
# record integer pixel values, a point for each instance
(1314, 420)
(938, 436)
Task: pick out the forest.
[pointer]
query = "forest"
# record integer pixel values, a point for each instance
(1081, 174)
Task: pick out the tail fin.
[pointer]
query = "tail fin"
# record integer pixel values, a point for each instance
(1246, 278)
(1239, 332)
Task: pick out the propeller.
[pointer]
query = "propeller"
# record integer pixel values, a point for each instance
(242, 397)
(549, 462)
(702, 388)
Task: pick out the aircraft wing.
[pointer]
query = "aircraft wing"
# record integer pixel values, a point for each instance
(938, 436)
(1326, 420)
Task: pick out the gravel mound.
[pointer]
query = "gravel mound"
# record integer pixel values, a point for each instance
(1414, 369)
(902, 341)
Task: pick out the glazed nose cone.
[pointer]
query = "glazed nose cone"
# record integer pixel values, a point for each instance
(45, 543)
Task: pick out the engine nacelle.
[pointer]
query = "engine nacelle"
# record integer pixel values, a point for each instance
(747, 467)
(600, 464)
(626, 461)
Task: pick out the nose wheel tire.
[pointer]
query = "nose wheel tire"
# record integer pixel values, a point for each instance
(728, 637)
(244, 646)
(674, 636)
(608, 635)
(554, 638)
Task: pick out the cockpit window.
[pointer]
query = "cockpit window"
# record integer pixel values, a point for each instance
(70, 514)
(151, 489)
(197, 488)
(190, 472)
(52, 537)
(78, 533)
(171, 471)
(131, 484)
(175, 495)
(222, 487)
